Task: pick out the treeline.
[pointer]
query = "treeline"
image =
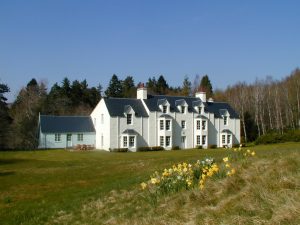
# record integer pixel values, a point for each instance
(19, 121)
(265, 106)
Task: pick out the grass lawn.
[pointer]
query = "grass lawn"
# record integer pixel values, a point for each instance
(64, 187)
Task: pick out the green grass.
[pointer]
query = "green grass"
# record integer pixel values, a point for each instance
(62, 187)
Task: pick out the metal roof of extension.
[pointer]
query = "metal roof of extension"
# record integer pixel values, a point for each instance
(211, 107)
(66, 124)
(117, 106)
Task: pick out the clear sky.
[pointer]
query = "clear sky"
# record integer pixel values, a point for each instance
(230, 40)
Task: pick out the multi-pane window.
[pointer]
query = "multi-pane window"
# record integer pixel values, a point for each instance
(182, 109)
(125, 141)
(79, 137)
(225, 120)
(57, 137)
(161, 124)
(168, 124)
(168, 140)
(69, 137)
(203, 125)
(204, 140)
(223, 139)
(183, 124)
(198, 125)
(129, 118)
(161, 141)
(199, 109)
(131, 141)
(164, 109)
(198, 140)
(228, 139)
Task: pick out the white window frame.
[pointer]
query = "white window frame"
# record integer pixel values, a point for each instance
(198, 139)
(161, 124)
(131, 143)
(162, 141)
(80, 137)
(164, 108)
(198, 124)
(225, 118)
(57, 137)
(229, 138)
(168, 124)
(183, 124)
(223, 139)
(168, 141)
(69, 137)
(129, 119)
(183, 109)
(203, 140)
(203, 125)
(199, 109)
(125, 141)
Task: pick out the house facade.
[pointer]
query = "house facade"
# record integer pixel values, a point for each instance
(167, 121)
(148, 120)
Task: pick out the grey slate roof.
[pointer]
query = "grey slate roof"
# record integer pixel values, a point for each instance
(130, 132)
(66, 124)
(211, 107)
(116, 106)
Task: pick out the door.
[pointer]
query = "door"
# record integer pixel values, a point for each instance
(183, 142)
(69, 141)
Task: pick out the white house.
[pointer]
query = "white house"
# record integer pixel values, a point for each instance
(148, 120)
(167, 121)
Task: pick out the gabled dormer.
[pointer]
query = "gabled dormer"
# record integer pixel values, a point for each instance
(225, 115)
(128, 113)
(198, 106)
(163, 105)
(181, 105)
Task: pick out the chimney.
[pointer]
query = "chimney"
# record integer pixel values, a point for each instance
(141, 92)
(201, 95)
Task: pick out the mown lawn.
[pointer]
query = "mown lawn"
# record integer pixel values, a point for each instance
(64, 187)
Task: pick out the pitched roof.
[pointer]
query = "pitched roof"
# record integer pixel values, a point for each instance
(116, 106)
(211, 107)
(65, 124)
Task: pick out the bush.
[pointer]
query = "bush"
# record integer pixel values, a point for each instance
(175, 148)
(119, 150)
(198, 147)
(146, 149)
(212, 146)
(272, 138)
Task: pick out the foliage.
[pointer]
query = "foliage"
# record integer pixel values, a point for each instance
(153, 148)
(175, 148)
(5, 119)
(119, 150)
(186, 87)
(114, 88)
(212, 146)
(206, 86)
(273, 137)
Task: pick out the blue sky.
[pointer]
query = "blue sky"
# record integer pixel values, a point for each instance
(229, 40)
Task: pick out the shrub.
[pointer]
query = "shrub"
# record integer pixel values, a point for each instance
(212, 146)
(272, 138)
(146, 148)
(119, 150)
(198, 147)
(175, 148)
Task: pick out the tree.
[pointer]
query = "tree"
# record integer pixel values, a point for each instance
(128, 87)
(5, 119)
(206, 86)
(186, 87)
(162, 85)
(114, 88)
(152, 85)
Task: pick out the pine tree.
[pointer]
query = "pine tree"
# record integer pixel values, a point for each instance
(186, 87)
(5, 119)
(114, 88)
(206, 86)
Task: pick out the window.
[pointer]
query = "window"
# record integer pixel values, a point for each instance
(182, 109)
(129, 118)
(204, 140)
(198, 125)
(161, 124)
(102, 118)
(223, 139)
(198, 140)
(183, 124)
(131, 141)
(125, 141)
(69, 137)
(203, 125)
(183, 139)
(161, 141)
(199, 109)
(164, 109)
(79, 137)
(228, 139)
(168, 123)
(57, 137)
(225, 120)
(168, 140)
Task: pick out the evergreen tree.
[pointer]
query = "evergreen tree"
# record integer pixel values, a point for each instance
(152, 85)
(162, 86)
(5, 119)
(186, 87)
(128, 87)
(206, 86)
(114, 88)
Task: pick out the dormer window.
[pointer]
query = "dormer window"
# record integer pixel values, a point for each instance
(199, 109)
(225, 120)
(164, 109)
(129, 118)
(182, 109)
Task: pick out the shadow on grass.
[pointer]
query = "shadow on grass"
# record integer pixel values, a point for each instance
(7, 173)
(13, 161)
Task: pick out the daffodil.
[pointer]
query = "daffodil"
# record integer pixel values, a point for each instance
(143, 185)
(253, 153)
(225, 159)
